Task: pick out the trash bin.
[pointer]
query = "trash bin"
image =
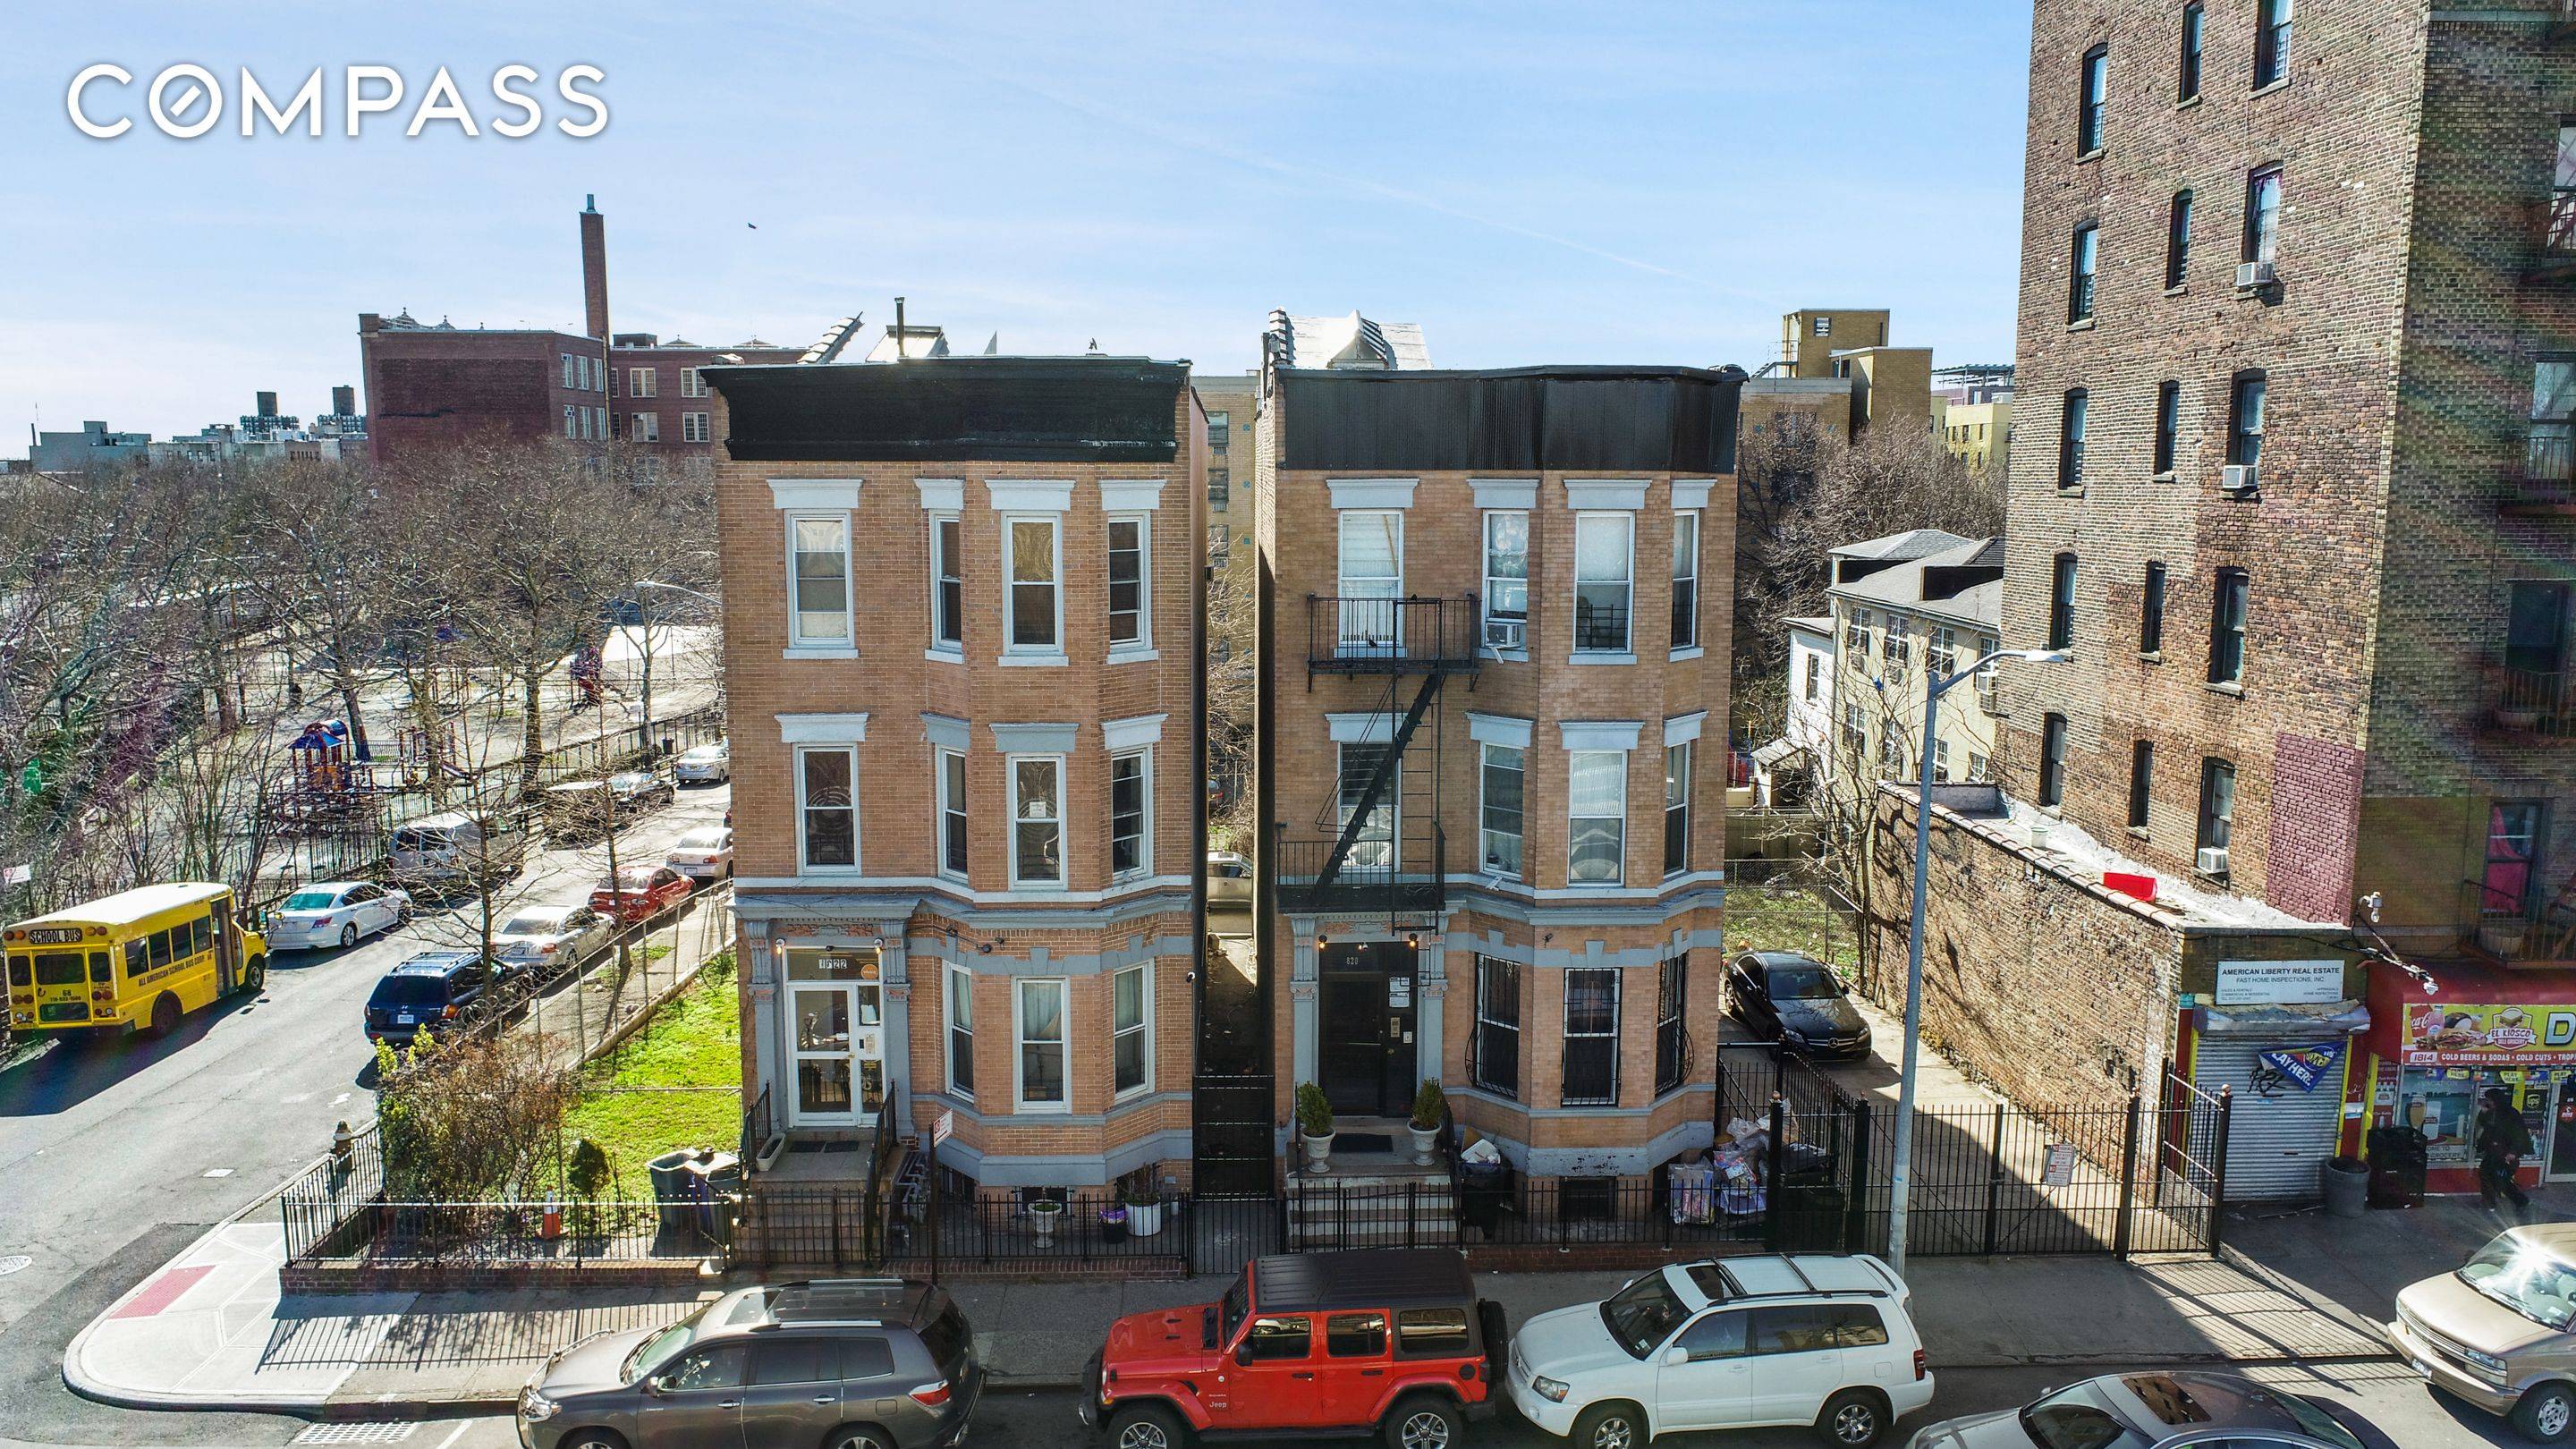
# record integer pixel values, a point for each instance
(673, 1191)
(2347, 1185)
(2397, 1164)
(712, 1176)
(1482, 1186)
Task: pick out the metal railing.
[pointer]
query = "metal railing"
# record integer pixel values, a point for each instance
(2543, 474)
(1420, 635)
(522, 1233)
(758, 1126)
(2536, 701)
(2535, 929)
(1406, 876)
(792, 1227)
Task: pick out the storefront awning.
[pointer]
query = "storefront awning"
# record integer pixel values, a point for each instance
(2319, 1019)
(2463, 1014)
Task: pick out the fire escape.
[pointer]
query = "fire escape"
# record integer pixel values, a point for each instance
(1379, 847)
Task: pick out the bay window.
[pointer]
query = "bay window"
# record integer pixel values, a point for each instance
(1672, 1053)
(1506, 579)
(1131, 849)
(1037, 820)
(827, 810)
(1685, 580)
(1597, 816)
(818, 579)
(947, 585)
(961, 1031)
(1497, 1064)
(1041, 1046)
(1032, 559)
(1131, 1030)
(1499, 808)
(1130, 613)
(952, 814)
(1591, 1037)
(1677, 806)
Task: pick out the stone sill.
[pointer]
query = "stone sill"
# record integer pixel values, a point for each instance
(2229, 689)
(2151, 656)
(2080, 324)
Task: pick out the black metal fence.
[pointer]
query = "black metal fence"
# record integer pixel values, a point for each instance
(528, 1233)
(320, 1206)
(789, 1227)
(1233, 1125)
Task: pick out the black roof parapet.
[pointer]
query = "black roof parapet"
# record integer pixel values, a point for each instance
(1652, 419)
(1012, 409)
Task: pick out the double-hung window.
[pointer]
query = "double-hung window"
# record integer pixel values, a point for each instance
(2178, 239)
(2142, 775)
(1131, 849)
(827, 806)
(2070, 438)
(1374, 849)
(1041, 1028)
(2271, 41)
(2245, 418)
(2187, 80)
(572, 421)
(2052, 760)
(2168, 428)
(1032, 560)
(1685, 579)
(1131, 1030)
(2217, 809)
(694, 429)
(2227, 627)
(1371, 567)
(571, 373)
(692, 385)
(1497, 1065)
(1677, 807)
(2513, 854)
(1597, 816)
(2086, 255)
(1672, 1056)
(1856, 630)
(1130, 603)
(1941, 652)
(647, 428)
(1506, 579)
(952, 814)
(947, 584)
(961, 1031)
(2535, 635)
(818, 583)
(1897, 649)
(2093, 85)
(2061, 602)
(2262, 215)
(2151, 609)
(1604, 558)
(1855, 733)
(1499, 808)
(1037, 820)
(1591, 1037)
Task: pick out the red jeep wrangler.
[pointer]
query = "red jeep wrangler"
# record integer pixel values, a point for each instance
(1393, 1342)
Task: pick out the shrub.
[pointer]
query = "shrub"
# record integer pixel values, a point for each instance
(1314, 1112)
(1428, 1104)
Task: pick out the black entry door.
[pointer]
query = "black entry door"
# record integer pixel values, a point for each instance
(1367, 1050)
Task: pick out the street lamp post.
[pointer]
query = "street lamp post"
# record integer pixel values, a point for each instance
(1901, 1173)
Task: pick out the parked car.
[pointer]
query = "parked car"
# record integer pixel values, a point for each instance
(548, 938)
(1390, 1341)
(436, 991)
(335, 913)
(1796, 1000)
(2500, 1332)
(704, 854)
(1807, 1338)
(704, 765)
(2150, 1411)
(579, 809)
(1229, 879)
(855, 1363)
(639, 893)
(455, 850)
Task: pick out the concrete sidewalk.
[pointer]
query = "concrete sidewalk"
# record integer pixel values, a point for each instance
(210, 1329)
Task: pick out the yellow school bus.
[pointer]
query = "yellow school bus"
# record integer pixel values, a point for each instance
(138, 959)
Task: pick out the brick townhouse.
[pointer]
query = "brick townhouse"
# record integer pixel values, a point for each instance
(435, 384)
(1492, 747)
(962, 643)
(2297, 394)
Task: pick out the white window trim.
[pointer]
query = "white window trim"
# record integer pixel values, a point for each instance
(1482, 745)
(940, 808)
(1594, 735)
(1121, 1094)
(642, 382)
(1133, 733)
(1035, 656)
(941, 651)
(1690, 495)
(1371, 493)
(1029, 495)
(698, 424)
(1392, 801)
(1144, 756)
(647, 429)
(847, 646)
(956, 978)
(1505, 495)
(941, 495)
(1140, 649)
(1574, 597)
(1020, 1102)
(1688, 807)
(1063, 824)
(691, 384)
(1694, 649)
(1360, 729)
(1131, 495)
(858, 841)
(1341, 585)
(1498, 729)
(1570, 817)
(822, 729)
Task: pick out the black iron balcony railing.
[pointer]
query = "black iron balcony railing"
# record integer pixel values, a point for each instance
(2543, 478)
(1356, 635)
(2518, 923)
(2536, 702)
(1402, 877)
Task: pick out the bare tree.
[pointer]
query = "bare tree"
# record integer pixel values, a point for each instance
(1231, 676)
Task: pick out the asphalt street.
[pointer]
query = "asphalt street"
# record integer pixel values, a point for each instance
(119, 1153)
(2384, 1405)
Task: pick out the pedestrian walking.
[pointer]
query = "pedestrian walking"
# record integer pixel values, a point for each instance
(2501, 1141)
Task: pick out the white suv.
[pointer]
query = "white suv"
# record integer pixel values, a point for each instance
(1807, 1338)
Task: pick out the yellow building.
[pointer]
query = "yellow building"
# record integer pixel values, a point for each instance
(1980, 434)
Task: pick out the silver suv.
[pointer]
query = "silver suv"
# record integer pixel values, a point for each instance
(846, 1363)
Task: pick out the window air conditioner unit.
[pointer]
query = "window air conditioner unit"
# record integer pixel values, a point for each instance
(2211, 860)
(2250, 275)
(1506, 633)
(2240, 477)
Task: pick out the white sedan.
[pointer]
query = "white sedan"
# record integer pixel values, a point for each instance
(552, 936)
(335, 913)
(704, 854)
(705, 765)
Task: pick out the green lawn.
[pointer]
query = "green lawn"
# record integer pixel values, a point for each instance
(693, 1042)
(1786, 918)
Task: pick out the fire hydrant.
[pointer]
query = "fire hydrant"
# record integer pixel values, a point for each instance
(551, 1226)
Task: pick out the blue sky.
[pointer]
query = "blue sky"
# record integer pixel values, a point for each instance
(1533, 182)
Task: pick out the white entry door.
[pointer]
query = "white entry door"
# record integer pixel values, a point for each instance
(836, 1044)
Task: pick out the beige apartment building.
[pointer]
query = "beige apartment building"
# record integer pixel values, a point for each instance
(1492, 747)
(1906, 610)
(1838, 375)
(963, 680)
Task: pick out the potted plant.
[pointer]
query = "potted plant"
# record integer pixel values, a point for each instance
(1428, 1104)
(1113, 1220)
(1044, 1214)
(1144, 1210)
(1315, 1127)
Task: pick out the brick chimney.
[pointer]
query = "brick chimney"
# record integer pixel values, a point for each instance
(594, 267)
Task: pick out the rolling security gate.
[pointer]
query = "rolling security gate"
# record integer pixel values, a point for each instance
(2278, 1132)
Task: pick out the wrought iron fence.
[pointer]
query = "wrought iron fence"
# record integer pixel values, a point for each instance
(318, 1205)
(794, 1226)
(527, 1232)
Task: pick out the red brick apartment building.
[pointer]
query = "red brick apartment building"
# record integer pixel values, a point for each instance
(1492, 746)
(435, 384)
(2297, 402)
(964, 601)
